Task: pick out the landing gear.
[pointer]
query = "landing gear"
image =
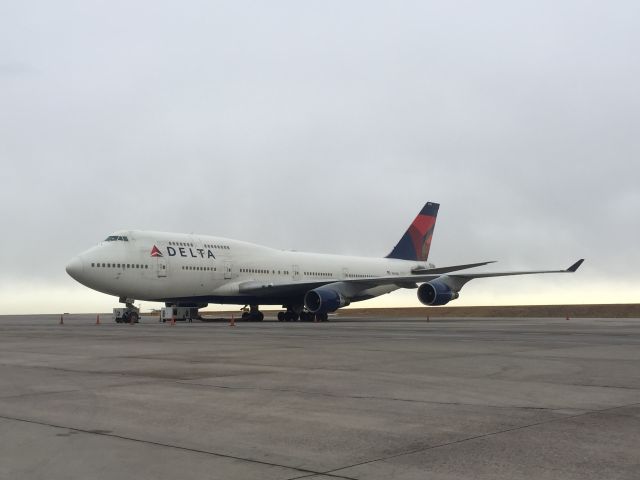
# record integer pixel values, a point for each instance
(294, 314)
(253, 315)
(128, 314)
(306, 317)
(291, 315)
(131, 316)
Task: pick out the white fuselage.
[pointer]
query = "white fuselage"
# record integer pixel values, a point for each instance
(168, 267)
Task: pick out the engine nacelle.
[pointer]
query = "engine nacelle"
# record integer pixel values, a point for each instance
(324, 300)
(436, 293)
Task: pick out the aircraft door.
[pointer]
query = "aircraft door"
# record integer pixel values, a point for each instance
(295, 272)
(227, 270)
(162, 267)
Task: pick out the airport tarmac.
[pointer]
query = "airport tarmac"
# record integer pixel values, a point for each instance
(380, 399)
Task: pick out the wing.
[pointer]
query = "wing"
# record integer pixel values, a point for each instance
(452, 268)
(455, 281)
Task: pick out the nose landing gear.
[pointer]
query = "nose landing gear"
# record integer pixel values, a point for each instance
(128, 314)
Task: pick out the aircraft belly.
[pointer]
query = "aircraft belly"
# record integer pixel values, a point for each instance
(374, 292)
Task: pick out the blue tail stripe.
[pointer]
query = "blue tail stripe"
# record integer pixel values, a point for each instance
(404, 249)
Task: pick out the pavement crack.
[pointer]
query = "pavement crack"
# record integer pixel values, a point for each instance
(366, 397)
(479, 437)
(104, 433)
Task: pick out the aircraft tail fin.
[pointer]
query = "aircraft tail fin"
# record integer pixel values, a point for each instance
(416, 242)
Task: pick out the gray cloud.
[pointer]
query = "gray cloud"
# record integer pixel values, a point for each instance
(323, 127)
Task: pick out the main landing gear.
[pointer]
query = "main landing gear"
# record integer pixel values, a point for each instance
(253, 314)
(299, 314)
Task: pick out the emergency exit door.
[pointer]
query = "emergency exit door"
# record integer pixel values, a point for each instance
(227, 270)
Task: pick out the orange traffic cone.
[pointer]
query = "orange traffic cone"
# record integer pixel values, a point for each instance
(98, 319)
(61, 320)
(232, 323)
(173, 320)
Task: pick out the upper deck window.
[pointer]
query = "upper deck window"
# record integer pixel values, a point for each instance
(116, 238)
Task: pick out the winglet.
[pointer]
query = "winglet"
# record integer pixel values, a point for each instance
(575, 266)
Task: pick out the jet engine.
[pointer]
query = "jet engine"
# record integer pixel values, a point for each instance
(436, 293)
(324, 300)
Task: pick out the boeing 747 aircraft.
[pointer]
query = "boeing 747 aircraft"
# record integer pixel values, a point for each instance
(185, 270)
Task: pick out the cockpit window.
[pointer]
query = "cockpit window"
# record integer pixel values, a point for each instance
(116, 238)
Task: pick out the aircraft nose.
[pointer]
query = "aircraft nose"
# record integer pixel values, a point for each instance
(74, 269)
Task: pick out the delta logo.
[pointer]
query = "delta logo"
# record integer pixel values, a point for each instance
(183, 252)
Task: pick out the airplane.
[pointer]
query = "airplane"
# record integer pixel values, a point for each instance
(186, 270)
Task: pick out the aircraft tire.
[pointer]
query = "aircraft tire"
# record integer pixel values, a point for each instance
(281, 316)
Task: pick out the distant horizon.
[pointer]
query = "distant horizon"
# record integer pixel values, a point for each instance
(566, 290)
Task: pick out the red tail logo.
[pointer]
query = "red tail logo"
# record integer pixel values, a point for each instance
(155, 252)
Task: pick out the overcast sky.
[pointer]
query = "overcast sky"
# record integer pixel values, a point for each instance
(324, 126)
